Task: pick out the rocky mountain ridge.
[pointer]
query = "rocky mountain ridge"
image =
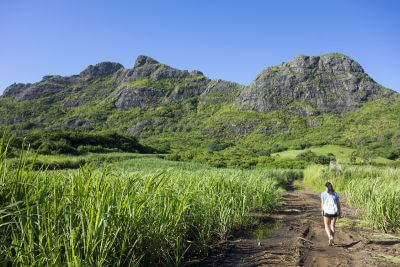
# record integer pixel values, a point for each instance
(327, 99)
(147, 84)
(332, 82)
(309, 84)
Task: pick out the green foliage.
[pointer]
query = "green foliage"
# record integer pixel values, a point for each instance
(300, 146)
(56, 162)
(237, 157)
(395, 151)
(394, 154)
(69, 142)
(168, 85)
(218, 146)
(336, 55)
(310, 156)
(365, 154)
(337, 153)
(353, 158)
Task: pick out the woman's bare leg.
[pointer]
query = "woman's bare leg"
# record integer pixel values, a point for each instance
(332, 226)
(327, 223)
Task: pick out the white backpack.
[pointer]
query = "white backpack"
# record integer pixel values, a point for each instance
(330, 207)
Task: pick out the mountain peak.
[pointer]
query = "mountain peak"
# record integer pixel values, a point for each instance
(332, 62)
(329, 83)
(335, 54)
(144, 60)
(101, 69)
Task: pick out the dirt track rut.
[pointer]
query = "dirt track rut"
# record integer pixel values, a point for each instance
(301, 241)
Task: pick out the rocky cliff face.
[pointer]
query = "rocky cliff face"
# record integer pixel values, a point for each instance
(148, 83)
(306, 85)
(146, 67)
(332, 82)
(101, 69)
(143, 86)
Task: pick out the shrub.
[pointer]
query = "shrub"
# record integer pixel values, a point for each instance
(218, 146)
(301, 146)
(264, 153)
(310, 156)
(394, 154)
(95, 149)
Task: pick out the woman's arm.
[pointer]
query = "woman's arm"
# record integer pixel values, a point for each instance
(322, 206)
(339, 208)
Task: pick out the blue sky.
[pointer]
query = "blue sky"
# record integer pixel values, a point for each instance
(232, 40)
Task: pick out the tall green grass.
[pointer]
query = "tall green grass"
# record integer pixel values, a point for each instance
(112, 217)
(375, 190)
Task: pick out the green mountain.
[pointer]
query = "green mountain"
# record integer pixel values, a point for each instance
(309, 101)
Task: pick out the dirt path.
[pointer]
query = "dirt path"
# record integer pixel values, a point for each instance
(301, 240)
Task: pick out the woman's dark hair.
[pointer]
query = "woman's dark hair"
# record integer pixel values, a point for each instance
(330, 188)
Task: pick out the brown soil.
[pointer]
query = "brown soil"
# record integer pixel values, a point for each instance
(302, 241)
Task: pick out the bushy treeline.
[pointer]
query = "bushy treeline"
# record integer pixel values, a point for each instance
(236, 158)
(60, 162)
(312, 157)
(222, 155)
(77, 143)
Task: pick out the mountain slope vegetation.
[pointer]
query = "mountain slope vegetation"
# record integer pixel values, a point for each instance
(309, 101)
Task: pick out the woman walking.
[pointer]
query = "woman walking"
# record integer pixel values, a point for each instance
(330, 208)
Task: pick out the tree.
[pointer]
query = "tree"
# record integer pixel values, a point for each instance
(353, 157)
(395, 152)
(365, 154)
